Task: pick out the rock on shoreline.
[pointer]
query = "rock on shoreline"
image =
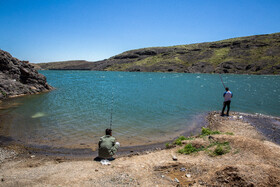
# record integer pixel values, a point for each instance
(19, 77)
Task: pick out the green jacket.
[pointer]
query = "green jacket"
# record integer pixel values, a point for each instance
(107, 147)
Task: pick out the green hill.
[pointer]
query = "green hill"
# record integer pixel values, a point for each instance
(258, 54)
(71, 65)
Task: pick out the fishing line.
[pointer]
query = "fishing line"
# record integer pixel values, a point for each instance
(222, 81)
(112, 103)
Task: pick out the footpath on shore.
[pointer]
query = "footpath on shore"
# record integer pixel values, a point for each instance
(230, 152)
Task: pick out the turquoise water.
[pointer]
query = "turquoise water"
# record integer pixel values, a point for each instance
(147, 107)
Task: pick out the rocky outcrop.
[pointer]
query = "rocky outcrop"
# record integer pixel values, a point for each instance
(258, 54)
(201, 67)
(19, 77)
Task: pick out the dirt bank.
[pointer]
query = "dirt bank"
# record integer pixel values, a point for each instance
(250, 161)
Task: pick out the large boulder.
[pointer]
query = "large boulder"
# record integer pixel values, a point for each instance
(19, 77)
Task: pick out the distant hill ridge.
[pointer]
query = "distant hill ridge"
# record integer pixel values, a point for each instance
(259, 54)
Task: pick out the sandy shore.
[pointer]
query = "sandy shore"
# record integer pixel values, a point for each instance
(252, 160)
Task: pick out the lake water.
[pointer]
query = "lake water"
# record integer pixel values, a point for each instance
(147, 107)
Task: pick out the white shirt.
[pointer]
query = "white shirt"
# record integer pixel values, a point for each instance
(228, 95)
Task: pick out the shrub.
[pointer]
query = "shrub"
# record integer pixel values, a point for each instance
(167, 145)
(207, 132)
(182, 138)
(179, 140)
(221, 148)
(189, 148)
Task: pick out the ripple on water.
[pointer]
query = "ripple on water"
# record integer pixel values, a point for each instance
(147, 107)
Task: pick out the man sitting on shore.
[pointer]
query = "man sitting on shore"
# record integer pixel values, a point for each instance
(107, 145)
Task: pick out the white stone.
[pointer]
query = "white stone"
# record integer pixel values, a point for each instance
(188, 175)
(174, 158)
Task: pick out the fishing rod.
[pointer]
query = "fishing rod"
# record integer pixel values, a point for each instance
(222, 81)
(112, 103)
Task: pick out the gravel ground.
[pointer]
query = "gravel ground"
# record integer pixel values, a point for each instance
(266, 125)
(6, 153)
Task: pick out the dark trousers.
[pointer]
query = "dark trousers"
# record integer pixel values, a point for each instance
(226, 104)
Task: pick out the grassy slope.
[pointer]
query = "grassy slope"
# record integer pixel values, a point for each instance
(258, 54)
(262, 50)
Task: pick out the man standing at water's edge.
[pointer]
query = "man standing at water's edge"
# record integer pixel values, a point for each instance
(227, 99)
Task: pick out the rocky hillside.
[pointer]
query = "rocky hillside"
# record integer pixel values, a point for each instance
(258, 54)
(19, 77)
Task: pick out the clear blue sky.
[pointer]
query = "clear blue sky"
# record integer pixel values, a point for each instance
(56, 30)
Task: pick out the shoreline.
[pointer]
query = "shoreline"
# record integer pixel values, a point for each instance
(262, 123)
(252, 160)
(259, 121)
(254, 74)
(268, 126)
(89, 153)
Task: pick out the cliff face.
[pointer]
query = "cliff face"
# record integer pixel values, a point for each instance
(258, 54)
(19, 77)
